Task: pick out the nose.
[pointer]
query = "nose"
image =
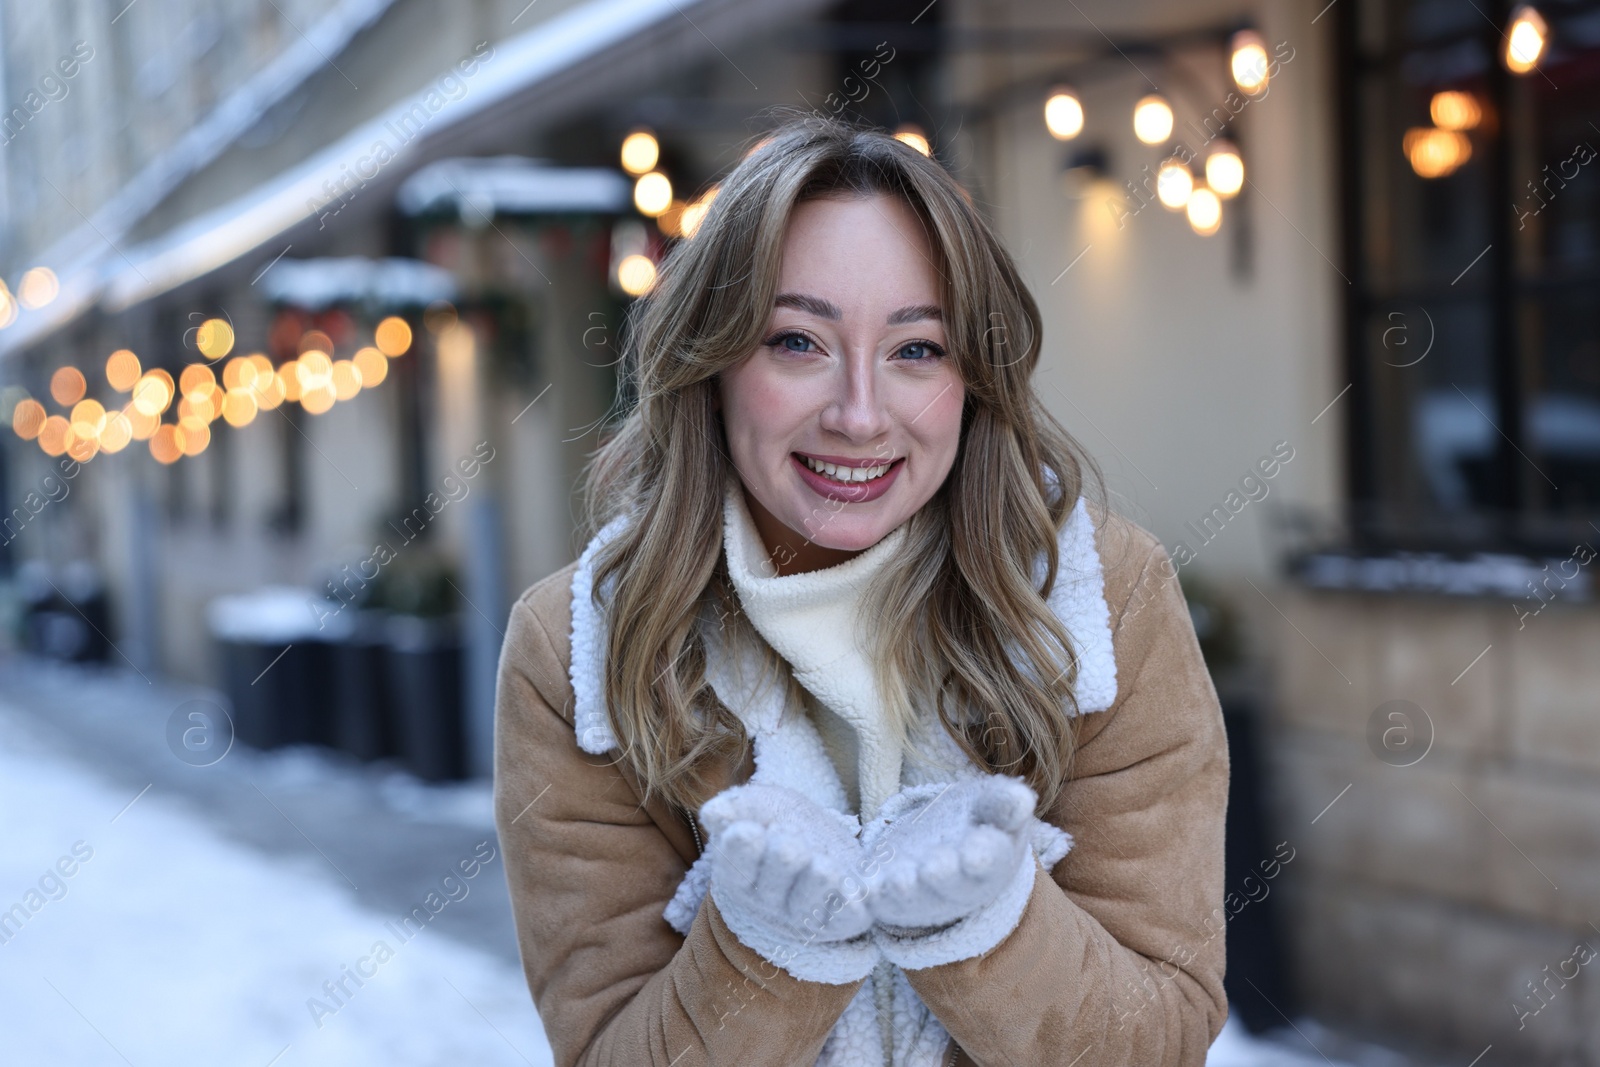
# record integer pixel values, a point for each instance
(856, 409)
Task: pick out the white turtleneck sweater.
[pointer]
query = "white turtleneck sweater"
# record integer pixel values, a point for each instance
(820, 624)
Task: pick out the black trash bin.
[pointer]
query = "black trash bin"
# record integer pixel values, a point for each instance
(424, 675)
(1257, 979)
(66, 614)
(277, 665)
(363, 720)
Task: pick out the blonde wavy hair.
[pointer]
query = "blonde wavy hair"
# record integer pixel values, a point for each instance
(963, 626)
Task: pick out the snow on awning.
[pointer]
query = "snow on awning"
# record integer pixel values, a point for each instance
(480, 189)
(393, 282)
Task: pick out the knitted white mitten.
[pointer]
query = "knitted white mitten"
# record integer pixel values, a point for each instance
(789, 878)
(951, 868)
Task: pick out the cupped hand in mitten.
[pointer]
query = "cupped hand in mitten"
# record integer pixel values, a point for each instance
(786, 864)
(937, 853)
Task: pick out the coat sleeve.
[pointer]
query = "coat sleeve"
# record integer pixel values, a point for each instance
(1119, 955)
(589, 872)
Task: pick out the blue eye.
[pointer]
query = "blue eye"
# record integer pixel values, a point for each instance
(783, 340)
(930, 351)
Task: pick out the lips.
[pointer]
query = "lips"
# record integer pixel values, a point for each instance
(857, 493)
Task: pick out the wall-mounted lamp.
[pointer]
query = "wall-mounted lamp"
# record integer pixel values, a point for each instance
(1152, 119)
(1248, 61)
(1063, 114)
(1225, 169)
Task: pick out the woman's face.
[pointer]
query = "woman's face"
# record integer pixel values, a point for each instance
(852, 371)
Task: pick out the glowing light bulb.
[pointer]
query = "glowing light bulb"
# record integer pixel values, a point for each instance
(122, 370)
(1174, 183)
(117, 433)
(1526, 40)
(67, 386)
(1453, 110)
(1435, 153)
(1249, 61)
(38, 287)
(640, 151)
(652, 193)
(393, 336)
(1205, 212)
(1225, 170)
(1152, 119)
(1063, 115)
(636, 275)
(373, 365)
(27, 418)
(214, 338)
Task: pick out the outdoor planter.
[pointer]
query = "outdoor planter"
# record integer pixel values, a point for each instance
(424, 674)
(276, 666)
(363, 717)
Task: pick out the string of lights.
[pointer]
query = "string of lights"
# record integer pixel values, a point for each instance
(249, 384)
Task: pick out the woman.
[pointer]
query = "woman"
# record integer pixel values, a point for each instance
(959, 770)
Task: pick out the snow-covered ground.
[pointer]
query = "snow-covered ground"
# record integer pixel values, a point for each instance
(169, 943)
(172, 945)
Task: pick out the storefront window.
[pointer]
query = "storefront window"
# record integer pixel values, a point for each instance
(1472, 203)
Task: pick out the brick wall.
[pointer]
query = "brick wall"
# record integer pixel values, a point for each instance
(1433, 890)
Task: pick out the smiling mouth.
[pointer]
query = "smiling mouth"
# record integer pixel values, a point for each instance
(848, 475)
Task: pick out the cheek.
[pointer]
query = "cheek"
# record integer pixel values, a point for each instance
(934, 416)
(756, 406)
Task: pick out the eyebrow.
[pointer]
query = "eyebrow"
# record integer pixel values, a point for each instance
(828, 310)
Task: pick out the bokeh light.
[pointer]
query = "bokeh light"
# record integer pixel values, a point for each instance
(1152, 119)
(239, 407)
(636, 275)
(27, 418)
(393, 336)
(346, 379)
(117, 433)
(1225, 170)
(652, 193)
(1249, 61)
(373, 365)
(1435, 153)
(67, 386)
(214, 338)
(122, 370)
(1174, 183)
(166, 444)
(1525, 42)
(640, 150)
(1455, 110)
(1204, 211)
(38, 287)
(1063, 115)
(53, 435)
(88, 418)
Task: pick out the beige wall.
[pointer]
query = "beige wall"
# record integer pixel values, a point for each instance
(1175, 374)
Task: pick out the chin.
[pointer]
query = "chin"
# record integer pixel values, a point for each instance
(842, 534)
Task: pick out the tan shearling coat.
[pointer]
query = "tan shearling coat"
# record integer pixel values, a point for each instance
(1117, 960)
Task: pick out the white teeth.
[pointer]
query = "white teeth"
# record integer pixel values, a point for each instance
(846, 474)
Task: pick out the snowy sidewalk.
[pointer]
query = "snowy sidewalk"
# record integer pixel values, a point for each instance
(168, 944)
